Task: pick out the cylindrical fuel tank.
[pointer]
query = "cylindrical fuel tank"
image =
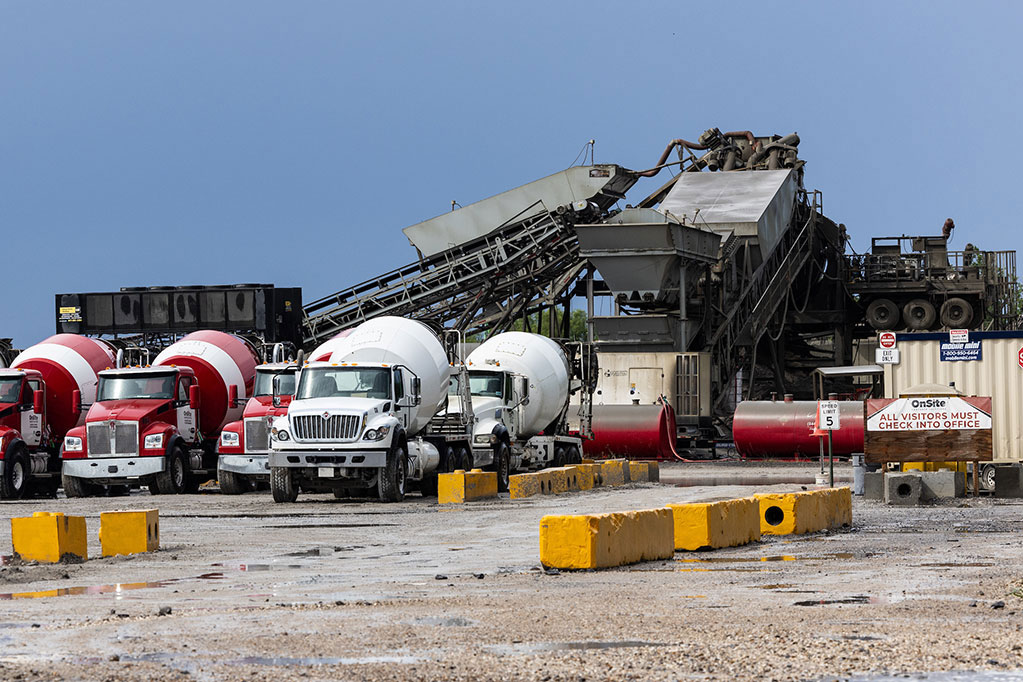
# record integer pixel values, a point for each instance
(218, 360)
(764, 428)
(67, 362)
(632, 431)
(327, 348)
(541, 360)
(397, 341)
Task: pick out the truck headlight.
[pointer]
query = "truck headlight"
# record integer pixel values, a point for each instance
(279, 434)
(72, 444)
(484, 438)
(377, 434)
(229, 439)
(153, 441)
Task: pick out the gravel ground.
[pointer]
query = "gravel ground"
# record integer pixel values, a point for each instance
(334, 589)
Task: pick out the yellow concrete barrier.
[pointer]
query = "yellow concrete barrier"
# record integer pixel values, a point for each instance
(587, 475)
(605, 540)
(654, 472)
(49, 537)
(644, 472)
(523, 485)
(465, 486)
(129, 532)
(805, 512)
(612, 472)
(728, 523)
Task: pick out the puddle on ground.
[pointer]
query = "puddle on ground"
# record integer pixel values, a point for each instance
(776, 586)
(781, 557)
(950, 676)
(443, 621)
(859, 599)
(527, 648)
(332, 525)
(113, 588)
(978, 564)
(355, 660)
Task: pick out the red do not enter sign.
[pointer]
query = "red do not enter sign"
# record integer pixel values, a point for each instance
(1021, 357)
(887, 340)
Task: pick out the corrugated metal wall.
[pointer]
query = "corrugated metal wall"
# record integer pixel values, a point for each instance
(998, 374)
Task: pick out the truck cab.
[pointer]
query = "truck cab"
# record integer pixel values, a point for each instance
(25, 440)
(142, 428)
(244, 447)
(348, 427)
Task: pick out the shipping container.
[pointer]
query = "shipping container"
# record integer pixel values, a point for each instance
(996, 371)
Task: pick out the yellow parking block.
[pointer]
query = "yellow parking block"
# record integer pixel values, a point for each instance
(585, 475)
(805, 512)
(129, 532)
(728, 523)
(49, 537)
(604, 540)
(612, 472)
(523, 485)
(465, 486)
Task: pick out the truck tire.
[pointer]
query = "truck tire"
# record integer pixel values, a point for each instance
(559, 457)
(574, 456)
(392, 477)
(450, 461)
(76, 487)
(231, 483)
(14, 481)
(172, 480)
(919, 314)
(502, 465)
(882, 314)
(282, 485)
(956, 313)
(465, 459)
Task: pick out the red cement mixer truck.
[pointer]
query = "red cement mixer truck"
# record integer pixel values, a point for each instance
(159, 425)
(41, 398)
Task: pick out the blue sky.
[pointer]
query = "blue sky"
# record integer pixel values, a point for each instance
(216, 142)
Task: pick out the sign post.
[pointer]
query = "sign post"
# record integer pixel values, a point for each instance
(828, 419)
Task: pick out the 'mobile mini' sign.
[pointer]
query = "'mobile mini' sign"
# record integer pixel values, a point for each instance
(928, 429)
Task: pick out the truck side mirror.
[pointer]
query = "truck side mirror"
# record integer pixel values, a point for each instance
(76, 401)
(37, 401)
(193, 397)
(232, 396)
(524, 389)
(417, 390)
(276, 399)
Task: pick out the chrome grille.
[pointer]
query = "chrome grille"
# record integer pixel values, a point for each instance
(336, 427)
(257, 435)
(120, 441)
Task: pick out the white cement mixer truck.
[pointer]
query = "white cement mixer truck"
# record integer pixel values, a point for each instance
(520, 385)
(364, 421)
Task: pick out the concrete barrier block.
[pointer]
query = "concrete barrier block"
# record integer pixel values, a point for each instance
(728, 523)
(873, 485)
(612, 472)
(523, 485)
(129, 532)
(1008, 480)
(903, 489)
(639, 472)
(604, 540)
(466, 486)
(654, 472)
(560, 478)
(805, 512)
(942, 484)
(49, 537)
(585, 475)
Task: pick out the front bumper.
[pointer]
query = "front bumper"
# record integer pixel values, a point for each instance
(114, 468)
(362, 458)
(247, 465)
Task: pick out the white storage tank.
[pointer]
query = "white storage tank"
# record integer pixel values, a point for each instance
(536, 357)
(397, 341)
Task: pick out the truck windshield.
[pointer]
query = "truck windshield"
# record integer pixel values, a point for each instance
(486, 384)
(10, 390)
(265, 383)
(156, 386)
(345, 382)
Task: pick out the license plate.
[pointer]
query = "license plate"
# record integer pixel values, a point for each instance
(325, 472)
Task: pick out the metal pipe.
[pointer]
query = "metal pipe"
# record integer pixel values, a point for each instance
(678, 142)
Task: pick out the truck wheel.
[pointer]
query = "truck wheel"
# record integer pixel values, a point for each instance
(15, 477)
(987, 477)
(450, 462)
(172, 480)
(559, 457)
(465, 459)
(231, 483)
(956, 313)
(882, 314)
(919, 314)
(75, 486)
(391, 479)
(574, 457)
(502, 465)
(282, 485)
